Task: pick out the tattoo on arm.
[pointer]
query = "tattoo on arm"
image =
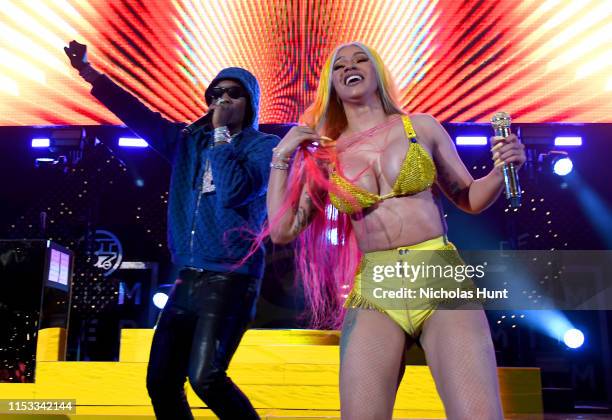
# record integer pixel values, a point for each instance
(451, 187)
(300, 221)
(454, 190)
(303, 215)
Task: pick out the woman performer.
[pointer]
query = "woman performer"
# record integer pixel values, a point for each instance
(381, 169)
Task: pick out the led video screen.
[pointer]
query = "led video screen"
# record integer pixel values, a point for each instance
(541, 61)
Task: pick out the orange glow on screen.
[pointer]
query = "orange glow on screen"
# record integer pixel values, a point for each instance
(541, 61)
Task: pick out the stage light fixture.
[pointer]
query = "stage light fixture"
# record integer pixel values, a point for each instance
(66, 140)
(132, 142)
(471, 141)
(573, 338)
(563, 166)
(556, 161)
(568, 141)
(65, 147)
(50, 162)
(40, 143)
(160, 297)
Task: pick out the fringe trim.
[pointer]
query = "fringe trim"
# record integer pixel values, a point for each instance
(357, 301)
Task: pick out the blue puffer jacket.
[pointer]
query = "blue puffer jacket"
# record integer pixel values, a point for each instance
(206, 230)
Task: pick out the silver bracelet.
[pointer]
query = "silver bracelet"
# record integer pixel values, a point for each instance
(280, 166)
(278, 155)
(222, 134)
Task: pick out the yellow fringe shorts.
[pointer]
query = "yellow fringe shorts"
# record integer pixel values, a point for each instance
(407, 298)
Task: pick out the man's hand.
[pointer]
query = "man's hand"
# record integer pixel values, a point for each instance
(77, 53)
(222, 113)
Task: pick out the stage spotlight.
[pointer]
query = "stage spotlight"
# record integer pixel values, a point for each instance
(40, 143)
(65, 146)
(45, 162)
(557, 161)
(568, 141)
(563, 166)
(573, 338)
(132, 142)
(471, 141)
(553, 323)
(160, 299)
(50, 162)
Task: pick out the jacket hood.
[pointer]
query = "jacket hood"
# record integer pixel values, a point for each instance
(249, 82)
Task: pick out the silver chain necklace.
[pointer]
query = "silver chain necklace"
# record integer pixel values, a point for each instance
(208, 184)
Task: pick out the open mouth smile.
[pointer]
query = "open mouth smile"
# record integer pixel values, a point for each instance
(352, 79)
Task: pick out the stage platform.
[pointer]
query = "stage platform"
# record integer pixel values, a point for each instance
(287, 374)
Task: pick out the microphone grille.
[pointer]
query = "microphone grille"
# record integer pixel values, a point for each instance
(501, 119)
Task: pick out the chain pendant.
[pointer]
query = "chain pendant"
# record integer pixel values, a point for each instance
(207, 180)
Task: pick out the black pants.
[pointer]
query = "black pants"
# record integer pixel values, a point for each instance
(198, 332)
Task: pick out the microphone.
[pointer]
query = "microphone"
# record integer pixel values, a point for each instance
(199, 124)
(501, 126)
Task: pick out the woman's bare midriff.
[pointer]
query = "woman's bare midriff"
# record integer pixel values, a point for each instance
(398, 221)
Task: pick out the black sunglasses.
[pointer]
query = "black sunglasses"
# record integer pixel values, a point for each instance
(234, 92)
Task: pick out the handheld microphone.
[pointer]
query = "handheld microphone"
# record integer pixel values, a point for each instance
(199, 124)
(501, 126)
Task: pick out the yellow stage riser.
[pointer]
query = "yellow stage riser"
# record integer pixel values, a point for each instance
(135, 343)
(321, 355)
(51, 345)
(17, 391)
(511, 379)
(277, 369)
(290, 386)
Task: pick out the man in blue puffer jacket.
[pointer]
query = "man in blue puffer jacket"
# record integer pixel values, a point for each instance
(217, 194)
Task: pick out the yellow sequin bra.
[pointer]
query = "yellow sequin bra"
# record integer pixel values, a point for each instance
(417, 174)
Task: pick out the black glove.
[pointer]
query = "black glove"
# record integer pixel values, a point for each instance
(77, 53)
